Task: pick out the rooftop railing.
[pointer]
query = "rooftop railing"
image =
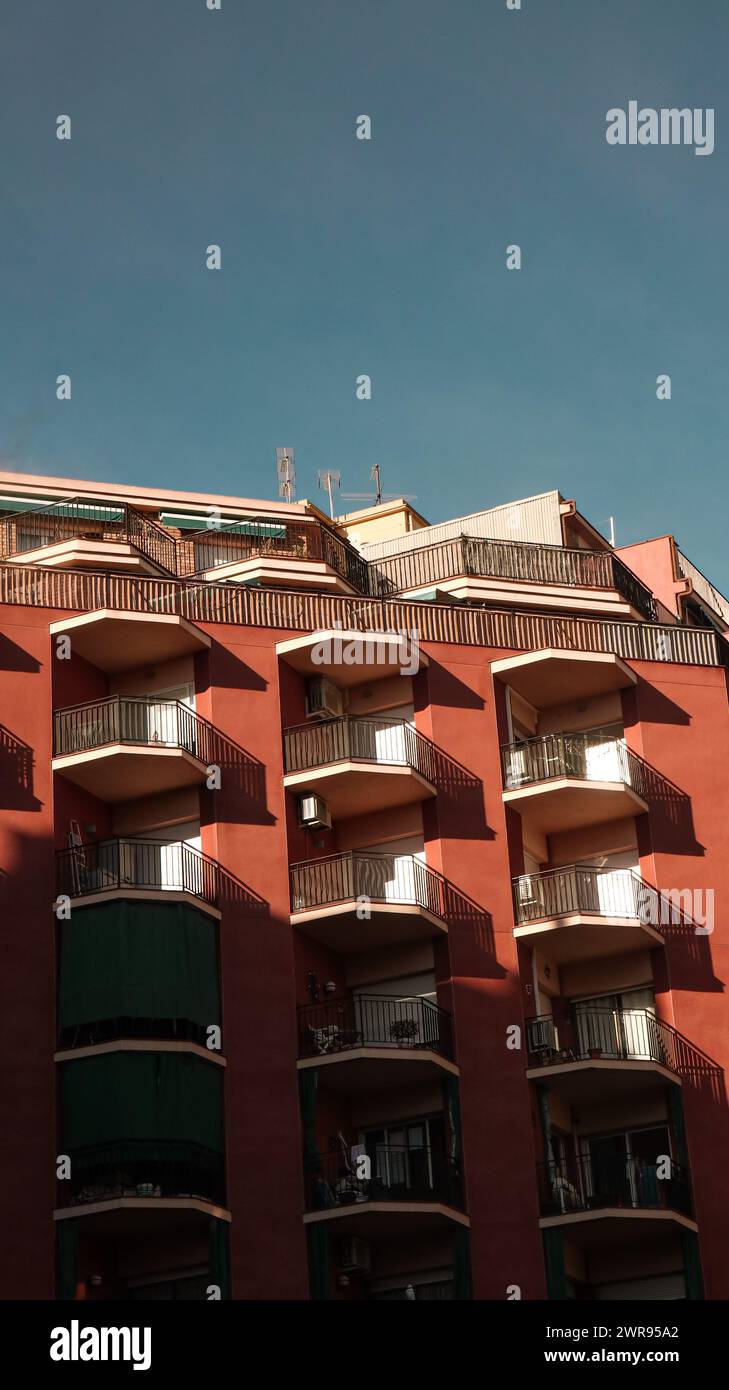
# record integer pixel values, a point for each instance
(383, 878)
(581, 888)
(588, 1184)
(306, 611)
(77, 519)
(240, 541)
(585, 757)
(373, 1020)
(356, 739)
(138, 719)
(398, 1174)
(106, 866)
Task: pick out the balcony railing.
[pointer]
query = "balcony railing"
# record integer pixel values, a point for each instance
(587, 757)
(372, 1020)
(134, 719)
(143, 1168)
(513, 560)
(586, 1184)
(78, 519)
(624, 1035)
(383, 878)
(104, 1030)
(106, 866)
(305, 611)
(579, 888)
(355, 739)
(397, 1174)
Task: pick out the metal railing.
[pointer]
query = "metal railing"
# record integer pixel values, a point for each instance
(625, 1035)
(383, 878)
(579, 888)
(105, 866)
(397, 1174)
(514, 560)
(357, 739)
(92, 1034)
(79, 519)
(373, 1020)
(137, 719)
(588, 757)
(305, 611)
(587, 1184)
(280, 539)
(133, 1168)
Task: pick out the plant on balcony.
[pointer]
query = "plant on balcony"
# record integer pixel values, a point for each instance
(404, 1030)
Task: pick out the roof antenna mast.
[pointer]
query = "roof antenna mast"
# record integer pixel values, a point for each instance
(327, 477)
(286, 474)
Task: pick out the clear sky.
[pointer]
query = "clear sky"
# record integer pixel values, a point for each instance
(343, 257)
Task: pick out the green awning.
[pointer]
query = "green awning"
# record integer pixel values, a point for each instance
(141, 1096)
(138, 960)
(247, 526)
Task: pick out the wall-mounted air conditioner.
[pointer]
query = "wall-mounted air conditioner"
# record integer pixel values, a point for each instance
(353, 1256)
(323, 699)
(314, 814)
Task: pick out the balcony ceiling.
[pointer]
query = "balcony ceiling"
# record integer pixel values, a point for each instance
(367, 1069)
(355, 788)
(300, 652)
(578, 1083)
(582, 936)
(550, 677)
(123, 772)
(391, 924)
(386, 1219)
(606, 1227)
(568, 803)
(115, 641)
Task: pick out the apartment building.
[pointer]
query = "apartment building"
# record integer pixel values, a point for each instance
(362, 891)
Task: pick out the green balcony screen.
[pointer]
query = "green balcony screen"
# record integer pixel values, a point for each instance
(167, 1098)
(138, 960)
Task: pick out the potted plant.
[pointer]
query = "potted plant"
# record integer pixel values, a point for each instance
(404, 1031)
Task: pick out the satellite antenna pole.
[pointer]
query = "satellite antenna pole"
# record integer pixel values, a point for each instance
(327, 476)
(380, 496)
(375, 478)
(612, 531)
(286, 474)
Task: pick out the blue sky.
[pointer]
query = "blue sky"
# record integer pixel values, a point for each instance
(386, 257)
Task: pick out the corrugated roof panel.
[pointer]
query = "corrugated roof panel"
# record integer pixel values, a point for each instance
(530, 519)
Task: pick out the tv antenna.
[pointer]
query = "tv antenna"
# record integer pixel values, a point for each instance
(286, 474)
(379, 496)
(327, 477)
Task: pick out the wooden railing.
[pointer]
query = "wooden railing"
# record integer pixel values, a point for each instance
(296, 611)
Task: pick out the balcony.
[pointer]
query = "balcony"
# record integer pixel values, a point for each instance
(632, 1051)
(129, 746)
(358, 901)
(407, 1191)
(370, 1040)
(360, 765)
(582, 913)
(564, 781)
(295, 553)
(581, 1190)
(138, 868)
(77, 534)
(518, 572)
(114, 641)
(129, 1172)
(552, 677)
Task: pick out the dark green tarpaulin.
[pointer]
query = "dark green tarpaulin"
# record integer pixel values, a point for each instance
(138, 960)
(453, 1100)
(675, 1110)
(462, 1287)
(554, 1263)
(219, 1257)
(308, 1080)
(692, 1265)
(141, 1095)
(317, 1240)
(67, 1257)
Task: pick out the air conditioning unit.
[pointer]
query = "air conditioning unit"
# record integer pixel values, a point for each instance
(314, 814)
(353, 1256)
(323, 699)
